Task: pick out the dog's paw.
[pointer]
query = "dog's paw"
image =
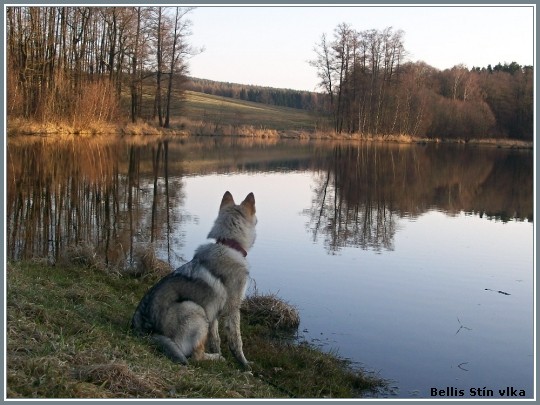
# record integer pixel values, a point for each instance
(213, 357)
(247, 366)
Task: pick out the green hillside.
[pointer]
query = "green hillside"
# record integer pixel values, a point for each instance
(222, 111)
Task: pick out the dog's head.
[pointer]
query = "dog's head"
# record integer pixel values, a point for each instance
(236, 222)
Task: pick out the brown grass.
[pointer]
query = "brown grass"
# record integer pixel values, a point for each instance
(83, 254)
(144, 262)
(270, 311)
(119, 380)
(147, 263)
(18, 126)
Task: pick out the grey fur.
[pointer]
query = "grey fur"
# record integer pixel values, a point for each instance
(181, 311)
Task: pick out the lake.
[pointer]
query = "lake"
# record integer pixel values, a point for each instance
(413, 261)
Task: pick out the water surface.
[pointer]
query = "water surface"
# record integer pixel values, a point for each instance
(413, 261)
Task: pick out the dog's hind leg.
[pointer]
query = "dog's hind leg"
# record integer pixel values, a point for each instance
(200, 354)
(183, 328)
(171, 349)
(200, 338)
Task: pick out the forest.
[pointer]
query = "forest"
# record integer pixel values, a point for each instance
(83, 65)
(74, 63)
(305, 100)
(373, 89)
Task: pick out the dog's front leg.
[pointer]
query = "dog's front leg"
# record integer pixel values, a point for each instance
(214, 342)
(234, 338)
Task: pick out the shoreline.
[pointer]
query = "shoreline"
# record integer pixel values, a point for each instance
(96, 356)
(188, 128)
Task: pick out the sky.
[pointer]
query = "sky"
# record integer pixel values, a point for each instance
(272, 45)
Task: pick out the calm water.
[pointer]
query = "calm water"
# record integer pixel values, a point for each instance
(415, 262)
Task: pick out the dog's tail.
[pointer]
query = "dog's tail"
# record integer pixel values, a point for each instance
(140, 324)
(136, 324)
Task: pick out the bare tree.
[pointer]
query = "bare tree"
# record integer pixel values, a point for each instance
(135, 71)
(325, 69)
(179, 50)
(358, 72)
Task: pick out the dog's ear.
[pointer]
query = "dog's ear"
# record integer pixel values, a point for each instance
(227, 200)
(249, 203)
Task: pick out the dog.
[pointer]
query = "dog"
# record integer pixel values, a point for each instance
(181, 311)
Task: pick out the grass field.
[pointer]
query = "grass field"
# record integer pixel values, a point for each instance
(222, 111)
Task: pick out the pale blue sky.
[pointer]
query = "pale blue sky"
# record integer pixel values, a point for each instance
(271, 46)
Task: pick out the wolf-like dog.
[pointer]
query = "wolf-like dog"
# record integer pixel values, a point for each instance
(181, 311)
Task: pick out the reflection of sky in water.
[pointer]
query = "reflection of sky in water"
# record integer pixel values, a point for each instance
(427, 313)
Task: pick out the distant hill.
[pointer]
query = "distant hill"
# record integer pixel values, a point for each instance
(304, 100)
(223, 111)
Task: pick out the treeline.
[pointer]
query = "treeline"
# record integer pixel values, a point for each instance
(306, 100)
(373, 90)
(74, 63)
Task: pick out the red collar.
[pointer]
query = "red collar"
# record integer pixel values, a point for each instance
(232, 244)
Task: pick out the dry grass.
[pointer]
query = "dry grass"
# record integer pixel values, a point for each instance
(270, 311)
(18, 126)
(119, 379)
(83, 254)
(143, 264)
(147, 263)
(142, 128)
(203, 128)
(503, 143)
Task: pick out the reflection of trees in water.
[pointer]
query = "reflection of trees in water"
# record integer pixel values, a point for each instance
(158, 195)
(62, 193)
(362, 190)
(113, 194)
(349, 208)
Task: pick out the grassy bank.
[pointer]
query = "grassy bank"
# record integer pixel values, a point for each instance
(68, 337)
